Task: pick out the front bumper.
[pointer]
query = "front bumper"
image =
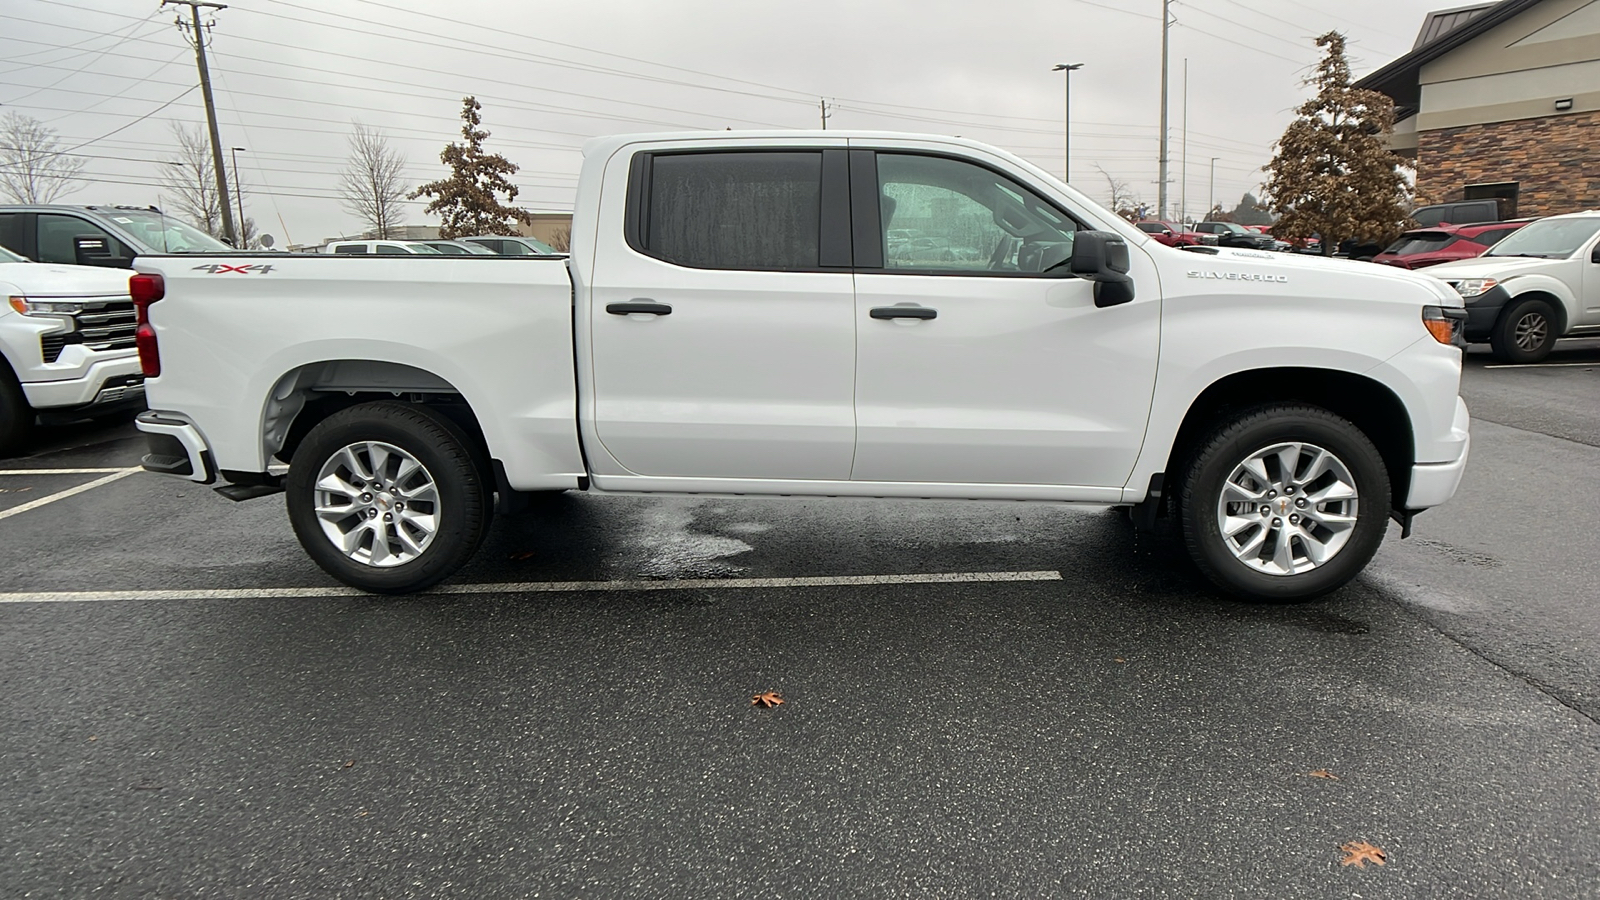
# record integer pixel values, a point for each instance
(176, 447)
(105, 382)
(1434, 483)
(1483, 311)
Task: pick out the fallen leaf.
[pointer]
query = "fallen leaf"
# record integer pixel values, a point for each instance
(1121, 660)
(1323, 773)
(93, 738)
(769, 699)
(349, 764)
(1359, 853)
(361, 814)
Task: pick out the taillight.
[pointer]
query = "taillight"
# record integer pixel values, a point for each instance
(145, 290)
(1445, 323)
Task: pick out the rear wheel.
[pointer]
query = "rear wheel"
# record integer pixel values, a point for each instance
(1525, 333)
(1285, 502)
(387, 497)
(16, 416)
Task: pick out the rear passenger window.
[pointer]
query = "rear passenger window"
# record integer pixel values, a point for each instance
(391, 250)
(11, 225)
(739, 210)
(351, 248)
(57, 234)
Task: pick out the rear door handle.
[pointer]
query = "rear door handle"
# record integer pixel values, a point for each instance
(639, 306)
(904, 312)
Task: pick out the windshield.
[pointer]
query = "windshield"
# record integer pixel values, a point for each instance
(166, 234)
(1421, 242)
(8, 256)
(1550, 239)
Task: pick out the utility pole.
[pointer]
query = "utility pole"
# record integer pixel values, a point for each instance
(1066, 167)
(1212, 203)
(825, 114)
(1183, 167)
(211, 109)
(1166, 26)
(238, 191)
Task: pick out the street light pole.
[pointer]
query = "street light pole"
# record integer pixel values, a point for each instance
(1212, 202)
(238, 191)
(1066, 166)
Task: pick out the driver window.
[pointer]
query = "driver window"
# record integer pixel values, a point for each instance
(945, 215)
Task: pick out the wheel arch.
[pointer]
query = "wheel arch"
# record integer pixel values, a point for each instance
(1539, 292)
(310, 393)
(1367, 403)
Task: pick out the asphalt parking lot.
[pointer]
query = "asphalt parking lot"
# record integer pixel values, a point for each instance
(996, 699)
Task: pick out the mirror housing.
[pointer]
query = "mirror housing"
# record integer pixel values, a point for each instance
(1595, 256)
(1102, 257)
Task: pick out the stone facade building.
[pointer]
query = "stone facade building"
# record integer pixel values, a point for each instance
(1502, 100)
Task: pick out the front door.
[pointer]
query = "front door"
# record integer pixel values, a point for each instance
(979, 359)
(723, 329)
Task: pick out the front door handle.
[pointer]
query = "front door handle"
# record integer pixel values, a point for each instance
(639, 306)
(904, 312)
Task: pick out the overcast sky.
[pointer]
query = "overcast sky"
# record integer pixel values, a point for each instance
(292, 75)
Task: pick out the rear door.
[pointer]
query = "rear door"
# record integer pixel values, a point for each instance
(723, 327)
(981, 360)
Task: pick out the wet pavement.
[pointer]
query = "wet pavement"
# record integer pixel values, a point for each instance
(1106, 727)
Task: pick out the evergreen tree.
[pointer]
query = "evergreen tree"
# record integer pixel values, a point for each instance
(468, 201)
(1332, 175)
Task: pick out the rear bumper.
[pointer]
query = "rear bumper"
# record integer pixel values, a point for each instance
(1434, 483)
(176, 447)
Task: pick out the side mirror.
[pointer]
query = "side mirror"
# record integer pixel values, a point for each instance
(88, 250)
(1595, 256)
(1102, 257)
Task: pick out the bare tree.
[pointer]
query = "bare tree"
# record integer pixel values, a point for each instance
(561, 239)
(191, 181)
(371, 186)
(1123, 201)
(32, 169)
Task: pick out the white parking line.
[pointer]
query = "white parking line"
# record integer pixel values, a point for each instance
(62, 495)
(537, 587)
(62, 471)
(1587, 365)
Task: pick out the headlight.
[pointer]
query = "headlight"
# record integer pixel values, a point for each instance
(1473, 287)
(31, 307)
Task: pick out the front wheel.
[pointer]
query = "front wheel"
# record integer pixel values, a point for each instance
(16, 416)
(1526, 332)
(387, 497)
(1284, 502)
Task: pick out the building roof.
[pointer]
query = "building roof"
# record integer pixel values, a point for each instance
(1442, 32)
(1442, 21)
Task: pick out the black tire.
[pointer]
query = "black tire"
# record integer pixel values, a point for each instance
(1228, 446)
(16, 416)
(1525, 332)
(465, 500)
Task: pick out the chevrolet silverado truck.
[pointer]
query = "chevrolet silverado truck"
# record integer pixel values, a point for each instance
(66, 345)
(730, 323)
(1540, 283)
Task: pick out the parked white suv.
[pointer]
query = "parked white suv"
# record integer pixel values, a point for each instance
(381, 248)
(66, 344)
(1540, 283)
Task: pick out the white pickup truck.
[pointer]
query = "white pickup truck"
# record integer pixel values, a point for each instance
(822, 314)
(66, 345)
(1540, 283)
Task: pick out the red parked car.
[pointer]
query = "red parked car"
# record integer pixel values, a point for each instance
(1422, 247)
(1168, 233)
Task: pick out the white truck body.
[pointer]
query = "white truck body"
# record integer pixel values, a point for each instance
(795, 381)
(66, 337)
(1529, 290)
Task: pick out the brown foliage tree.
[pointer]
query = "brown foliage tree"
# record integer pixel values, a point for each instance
(468, 201)
(1332, 175)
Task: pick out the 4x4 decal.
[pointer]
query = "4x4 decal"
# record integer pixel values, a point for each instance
(223, 268)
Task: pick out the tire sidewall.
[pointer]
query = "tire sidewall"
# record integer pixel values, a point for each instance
(1250, 434)
(1504, 340)
(16, 416)
(463, 497)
